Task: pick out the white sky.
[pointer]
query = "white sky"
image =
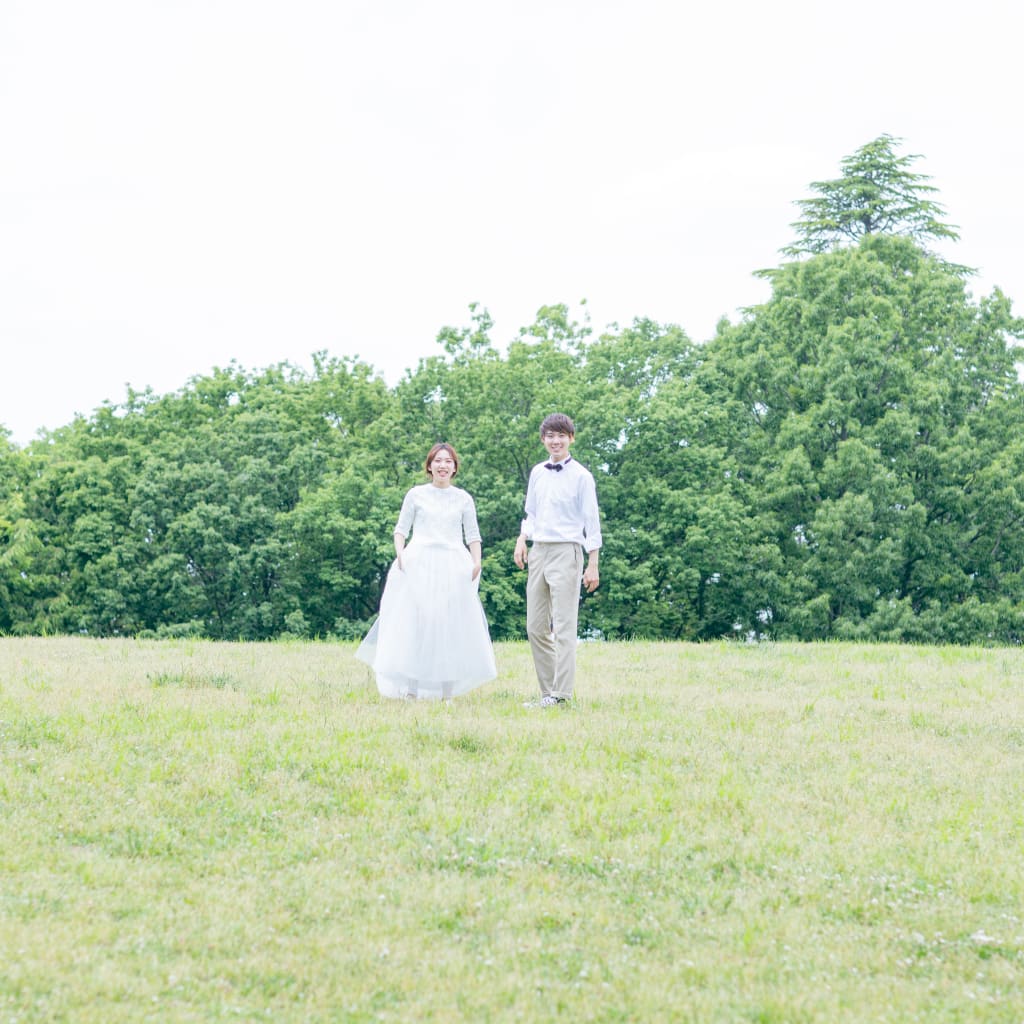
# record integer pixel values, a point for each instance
(187, 182)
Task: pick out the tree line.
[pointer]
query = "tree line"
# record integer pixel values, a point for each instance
(846, 461)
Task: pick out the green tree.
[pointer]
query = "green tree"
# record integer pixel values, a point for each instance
(877, 193)
(75, 571)
(879, 395)
(686, 556)
(19, 542)
(340, 541)
(215, 496)
(170, 514)
(847, 461)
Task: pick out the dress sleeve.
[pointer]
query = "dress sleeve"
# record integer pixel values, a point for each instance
(470, 528)
(407, 515)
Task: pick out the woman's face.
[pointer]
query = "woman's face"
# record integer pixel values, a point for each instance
(442, 468)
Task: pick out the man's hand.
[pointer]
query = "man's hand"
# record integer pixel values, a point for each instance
(591, 578)
(520, 556)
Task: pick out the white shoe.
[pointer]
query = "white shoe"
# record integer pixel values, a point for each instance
(549, 700)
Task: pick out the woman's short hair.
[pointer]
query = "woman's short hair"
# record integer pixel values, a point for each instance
(557, 423)
(432, 454)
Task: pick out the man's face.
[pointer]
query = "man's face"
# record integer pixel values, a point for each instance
(557, 444)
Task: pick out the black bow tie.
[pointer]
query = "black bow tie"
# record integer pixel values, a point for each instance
(556, 466)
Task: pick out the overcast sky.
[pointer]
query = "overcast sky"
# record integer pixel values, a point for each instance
(187, 182)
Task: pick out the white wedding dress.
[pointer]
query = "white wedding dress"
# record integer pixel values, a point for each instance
(431, 638)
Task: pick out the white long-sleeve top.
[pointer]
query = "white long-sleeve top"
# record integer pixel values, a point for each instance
(438, 515)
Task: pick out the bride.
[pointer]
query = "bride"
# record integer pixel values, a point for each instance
(431, 639)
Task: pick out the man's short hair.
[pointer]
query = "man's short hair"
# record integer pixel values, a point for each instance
(557, 423)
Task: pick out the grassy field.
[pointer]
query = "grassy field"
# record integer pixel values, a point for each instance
(193, 831)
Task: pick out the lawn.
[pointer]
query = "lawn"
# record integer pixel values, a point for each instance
(198, 831)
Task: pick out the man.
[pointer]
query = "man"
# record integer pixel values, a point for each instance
(562, 521)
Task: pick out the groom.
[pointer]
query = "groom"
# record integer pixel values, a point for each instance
(562, 521)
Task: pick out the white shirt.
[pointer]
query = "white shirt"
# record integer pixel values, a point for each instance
(561, 506)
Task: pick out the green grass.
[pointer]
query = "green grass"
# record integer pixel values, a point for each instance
(193, 831)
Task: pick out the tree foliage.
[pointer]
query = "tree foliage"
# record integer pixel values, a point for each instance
(845, 462)
(877, 193)
(880, 393)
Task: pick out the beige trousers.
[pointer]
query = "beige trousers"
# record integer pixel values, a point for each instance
(552, 612)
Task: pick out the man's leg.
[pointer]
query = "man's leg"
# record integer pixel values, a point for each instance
(538, 619)
(564, 573)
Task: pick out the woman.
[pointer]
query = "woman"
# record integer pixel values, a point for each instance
(430, 639)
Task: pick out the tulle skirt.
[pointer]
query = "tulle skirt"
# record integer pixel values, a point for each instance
(430, 639)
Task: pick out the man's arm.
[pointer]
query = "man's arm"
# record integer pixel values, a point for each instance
(592, 531)
(520, 556)
(591, 575)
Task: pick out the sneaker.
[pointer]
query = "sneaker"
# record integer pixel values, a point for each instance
(547, 701)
